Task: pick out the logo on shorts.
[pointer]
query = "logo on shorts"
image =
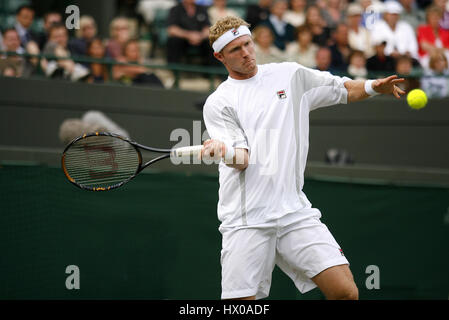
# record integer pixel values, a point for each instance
(281, 94)
(341, 251)
(235, 32)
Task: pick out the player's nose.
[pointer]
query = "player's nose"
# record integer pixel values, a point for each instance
(245, 52)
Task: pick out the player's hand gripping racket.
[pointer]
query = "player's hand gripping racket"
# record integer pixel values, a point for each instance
(104, 161)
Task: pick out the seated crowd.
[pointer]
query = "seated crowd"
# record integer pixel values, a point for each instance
(64, 55)
(358, 38)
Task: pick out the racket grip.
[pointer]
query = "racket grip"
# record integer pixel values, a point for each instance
(186, 151)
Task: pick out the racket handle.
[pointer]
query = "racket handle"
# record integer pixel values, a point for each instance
(186, 151)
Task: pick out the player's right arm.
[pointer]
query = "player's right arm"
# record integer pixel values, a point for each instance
(227, 137)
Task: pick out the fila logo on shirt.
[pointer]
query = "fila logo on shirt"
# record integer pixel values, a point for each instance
(235, 32)
(281, 94)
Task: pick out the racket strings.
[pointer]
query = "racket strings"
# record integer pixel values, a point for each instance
(101, 161)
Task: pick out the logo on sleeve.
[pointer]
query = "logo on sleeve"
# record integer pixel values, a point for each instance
(281, 94)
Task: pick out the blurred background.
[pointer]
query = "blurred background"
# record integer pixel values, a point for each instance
(378, 170)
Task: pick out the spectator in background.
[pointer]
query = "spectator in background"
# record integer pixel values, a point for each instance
(436, 79)
(359, 37)
(84, 35)
(317, 25)
(323, 59)
(266, 51)
(119, 30)
(284, 32)
(399, 35)
(11, 43)
(303, 50)
(50, 18)
(188, 27)
(135, 74)
(31, 64)
(411, 13)
(1, 41)
(404, 68)
(24, 20)
(91, 121)
(296, 15)
(98, 72)
(219, 10)
(333, 13)
(380, 62)
(431, 36)
(57, 45)
(357, 65)
(256, 13)
(340, 49)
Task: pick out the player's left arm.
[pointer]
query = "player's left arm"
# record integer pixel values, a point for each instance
(357, 92)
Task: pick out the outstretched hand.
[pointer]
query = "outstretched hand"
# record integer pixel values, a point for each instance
(388, 85)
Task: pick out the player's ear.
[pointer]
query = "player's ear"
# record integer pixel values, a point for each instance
(219, 56)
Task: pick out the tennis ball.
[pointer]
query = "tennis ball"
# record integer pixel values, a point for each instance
(417, 99)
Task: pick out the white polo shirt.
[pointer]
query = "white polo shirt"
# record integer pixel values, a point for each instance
(268, 114)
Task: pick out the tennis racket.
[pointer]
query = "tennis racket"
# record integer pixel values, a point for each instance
(103, 161)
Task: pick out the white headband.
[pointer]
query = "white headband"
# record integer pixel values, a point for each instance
(228, 36)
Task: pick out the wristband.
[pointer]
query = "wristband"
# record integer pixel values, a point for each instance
(230, 153)
(369, 88)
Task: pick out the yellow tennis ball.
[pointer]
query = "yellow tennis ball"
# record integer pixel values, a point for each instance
(417, 99)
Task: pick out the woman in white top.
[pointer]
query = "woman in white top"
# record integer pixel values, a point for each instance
(303, 50)
(266, 51)
(296, 15)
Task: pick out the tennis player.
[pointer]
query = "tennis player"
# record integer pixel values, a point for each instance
(258, 121)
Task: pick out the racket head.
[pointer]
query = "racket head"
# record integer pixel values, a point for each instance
(101, 161)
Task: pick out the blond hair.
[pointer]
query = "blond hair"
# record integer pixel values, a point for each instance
(115, 23)
(84, 21)
(223, 25)
(435, 56)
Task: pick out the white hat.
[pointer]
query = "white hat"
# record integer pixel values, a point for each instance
(391, 6)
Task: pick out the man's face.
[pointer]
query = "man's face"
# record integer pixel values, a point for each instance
(88, 31)
(239, 56)
(279, 8)
(52, 19)
(11, 40)
(354, 20)
(341, 35)
(59, 36)
(323, 59)
(391, 18)
(25, 17)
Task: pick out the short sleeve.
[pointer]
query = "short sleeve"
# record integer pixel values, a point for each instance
(319, 89)
(222, 124)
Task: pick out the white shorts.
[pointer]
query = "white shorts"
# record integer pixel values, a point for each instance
(299, 243)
